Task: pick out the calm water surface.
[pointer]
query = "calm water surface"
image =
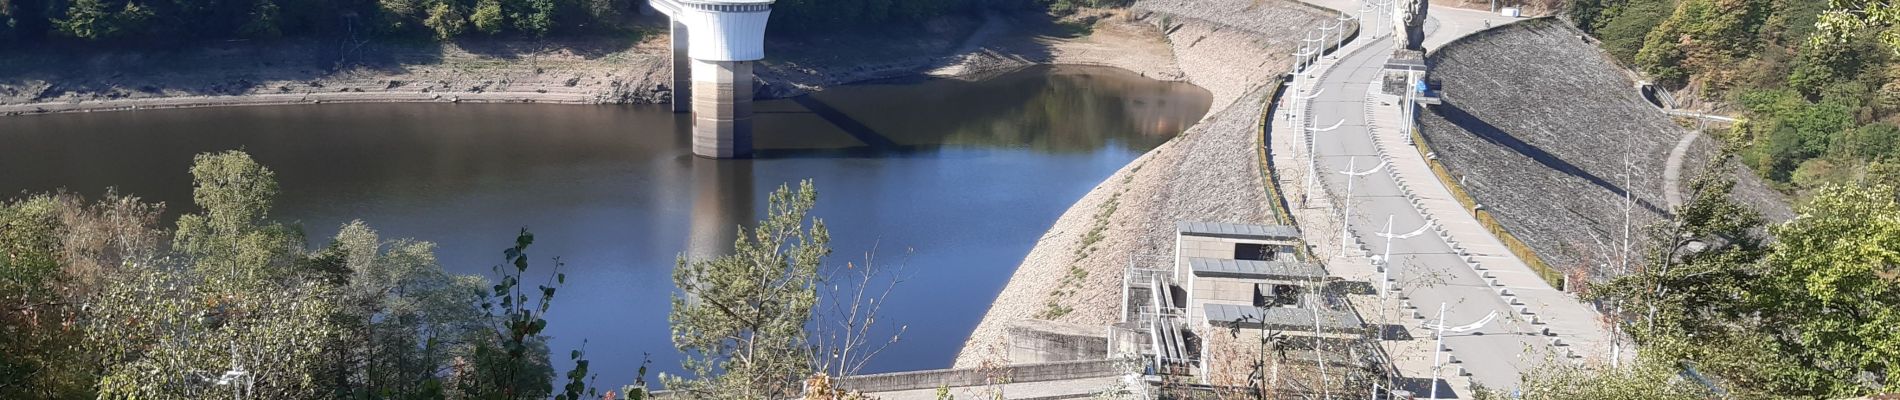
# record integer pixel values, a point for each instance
(954, 180)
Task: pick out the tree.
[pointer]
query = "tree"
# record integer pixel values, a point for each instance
(1847, 19)
(1647, 379)
(1695, 278)
(510, 361)
(35, 339)
(533, 17)
(412, 317)
(445, 21)
(233, 242)
(1833, 279)
(96, 19)
(230, 305)
(487, 17)
(740, 318)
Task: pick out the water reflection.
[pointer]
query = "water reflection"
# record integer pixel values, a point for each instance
(722, 201)
(979, 172)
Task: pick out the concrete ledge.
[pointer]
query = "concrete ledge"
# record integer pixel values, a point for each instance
(930, 379)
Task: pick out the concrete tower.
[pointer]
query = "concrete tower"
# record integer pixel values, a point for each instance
(714, 45)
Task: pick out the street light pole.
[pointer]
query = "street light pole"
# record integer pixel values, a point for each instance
(1346, 217)
(1312, 155)
(1438, 350)
(1387, 257)
(1340, 41)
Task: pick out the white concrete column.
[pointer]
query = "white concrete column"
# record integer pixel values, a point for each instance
(682, 68)
(722, 108)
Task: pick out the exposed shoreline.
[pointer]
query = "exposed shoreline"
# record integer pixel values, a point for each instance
(582, 71)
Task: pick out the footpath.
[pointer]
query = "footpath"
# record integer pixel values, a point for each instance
(1447, 258)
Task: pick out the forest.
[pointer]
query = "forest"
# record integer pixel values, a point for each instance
(1816, 80)
(1799, 309)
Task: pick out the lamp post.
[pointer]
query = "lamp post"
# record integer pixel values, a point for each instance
(1386, 259)
(1312, 156)
(1345, 218)
(1438, 350)
(1340, 40)
(1313, 50)
(1324, 32)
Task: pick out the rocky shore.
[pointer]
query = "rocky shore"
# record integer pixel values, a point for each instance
(629, 69)
(599, 70)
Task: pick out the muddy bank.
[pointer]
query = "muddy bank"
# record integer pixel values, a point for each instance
(589, 70)
(1209, 173)
(631, 68)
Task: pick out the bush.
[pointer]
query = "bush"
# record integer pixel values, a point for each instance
(487, 17)
(445, 21)
(1624, 26)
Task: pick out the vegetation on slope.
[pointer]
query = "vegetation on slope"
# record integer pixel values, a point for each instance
(1808, 315)
(1816, 80)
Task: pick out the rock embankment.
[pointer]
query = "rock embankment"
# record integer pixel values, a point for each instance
(1536, 125)
(305, 71)
(1209, 173)
(600, 70)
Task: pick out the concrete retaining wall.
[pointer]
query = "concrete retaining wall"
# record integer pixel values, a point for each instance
(911, 380)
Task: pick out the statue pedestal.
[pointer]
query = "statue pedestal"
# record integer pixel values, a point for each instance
(1401, 69)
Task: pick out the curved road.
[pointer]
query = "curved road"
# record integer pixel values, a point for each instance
(1426, 267)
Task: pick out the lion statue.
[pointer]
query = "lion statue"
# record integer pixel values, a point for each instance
(1408, 24)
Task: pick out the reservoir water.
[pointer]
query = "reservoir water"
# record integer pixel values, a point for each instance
(954, 180)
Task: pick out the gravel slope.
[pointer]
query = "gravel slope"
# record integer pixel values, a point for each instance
(1536, 126)
(1209, 173)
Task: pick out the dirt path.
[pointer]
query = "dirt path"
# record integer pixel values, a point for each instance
(1672, 172)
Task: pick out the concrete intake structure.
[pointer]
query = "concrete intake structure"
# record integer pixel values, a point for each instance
(714, 45)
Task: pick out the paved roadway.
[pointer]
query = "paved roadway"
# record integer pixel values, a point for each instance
(1426, 266)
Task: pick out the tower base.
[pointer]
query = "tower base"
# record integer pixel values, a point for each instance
(722, 108)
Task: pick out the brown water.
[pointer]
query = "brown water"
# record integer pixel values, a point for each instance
(955, 180)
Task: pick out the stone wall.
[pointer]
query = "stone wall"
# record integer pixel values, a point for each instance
(978, 377)
(1535, 125)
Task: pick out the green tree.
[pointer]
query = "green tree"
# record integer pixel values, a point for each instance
(1846, 20)
(1833, 279)
(1624, 25)
(740, 318)
(233, 241)
(55, 252)
(533, 17)
(487, 17)
(229, 305)
(1694, 281)
(397, 15)
(1705, 39)
(33, 311)
(100, 19)
(413, 317)
(511, 362)
(445, 21)
(1647, 379)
